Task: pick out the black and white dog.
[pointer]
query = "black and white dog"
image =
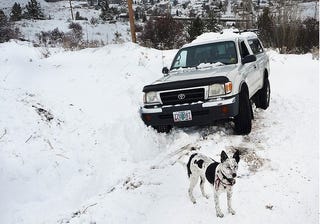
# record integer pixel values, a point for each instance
(221, 176)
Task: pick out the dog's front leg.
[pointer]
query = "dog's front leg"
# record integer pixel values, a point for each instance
(217, 204)
(229, 196)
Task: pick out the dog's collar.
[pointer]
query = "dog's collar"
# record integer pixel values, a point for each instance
(230, 180)
(218, 181)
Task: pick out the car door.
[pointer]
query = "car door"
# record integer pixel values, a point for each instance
(248, 70)
(260, 54)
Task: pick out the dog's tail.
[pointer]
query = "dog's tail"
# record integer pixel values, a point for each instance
(189, 163)
(184, 152)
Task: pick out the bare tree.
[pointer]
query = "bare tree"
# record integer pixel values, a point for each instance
(287, 25)
(247, 14)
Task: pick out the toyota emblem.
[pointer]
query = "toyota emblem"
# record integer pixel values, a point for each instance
(181, 96)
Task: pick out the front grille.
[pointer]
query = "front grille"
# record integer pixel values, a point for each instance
(182, 96)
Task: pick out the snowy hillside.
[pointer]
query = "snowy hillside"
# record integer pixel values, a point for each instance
(8, 4)
(74, 150)
(59, 16)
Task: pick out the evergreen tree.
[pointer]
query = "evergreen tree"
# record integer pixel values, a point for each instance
(308, 36)
(34, 10)
(136, 15)
(105, 10)
(144, 17)
(7, 32)
(265, 25)
(312, 32)
(211, 24)
(3, 19)
(91, 2)
(16, 12)
(195, 29)
(79, 17)
(159, 33)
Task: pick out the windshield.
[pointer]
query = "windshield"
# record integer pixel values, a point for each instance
(221, 52)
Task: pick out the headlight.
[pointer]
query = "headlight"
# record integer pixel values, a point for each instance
(216, 90)
(220, 89)
(151, 97)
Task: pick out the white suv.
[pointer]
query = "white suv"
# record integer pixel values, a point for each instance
(216, 77)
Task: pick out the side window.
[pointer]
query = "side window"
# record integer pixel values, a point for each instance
(243, 49)
(256, 46)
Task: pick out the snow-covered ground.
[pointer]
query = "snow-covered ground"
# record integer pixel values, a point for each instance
(74, 150)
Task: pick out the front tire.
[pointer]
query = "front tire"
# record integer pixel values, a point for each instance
(243, 121)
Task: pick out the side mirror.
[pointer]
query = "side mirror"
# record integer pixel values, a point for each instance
(165, 71)
(248, 59)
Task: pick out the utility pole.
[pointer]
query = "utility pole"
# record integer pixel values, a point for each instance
(71, 10)
(131, 18)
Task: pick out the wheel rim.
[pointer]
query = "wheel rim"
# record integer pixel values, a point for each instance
(268, 94)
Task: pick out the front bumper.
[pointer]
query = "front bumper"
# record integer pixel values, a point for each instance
(203, 113)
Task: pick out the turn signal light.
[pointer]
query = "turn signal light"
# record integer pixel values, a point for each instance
(228, 87)
(147, 117)
(224, 109)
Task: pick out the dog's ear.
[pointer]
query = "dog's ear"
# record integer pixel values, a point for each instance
(224, 156)
(236, 156)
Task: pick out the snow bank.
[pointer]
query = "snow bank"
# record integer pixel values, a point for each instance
(94, 138)
(74, 149)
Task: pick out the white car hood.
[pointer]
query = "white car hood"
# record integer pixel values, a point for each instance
(193, 73)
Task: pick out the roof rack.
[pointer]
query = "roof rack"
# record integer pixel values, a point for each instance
(246, 30)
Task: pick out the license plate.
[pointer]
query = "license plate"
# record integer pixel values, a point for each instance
(182, 116)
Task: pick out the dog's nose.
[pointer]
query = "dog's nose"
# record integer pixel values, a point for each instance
(234, 175)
